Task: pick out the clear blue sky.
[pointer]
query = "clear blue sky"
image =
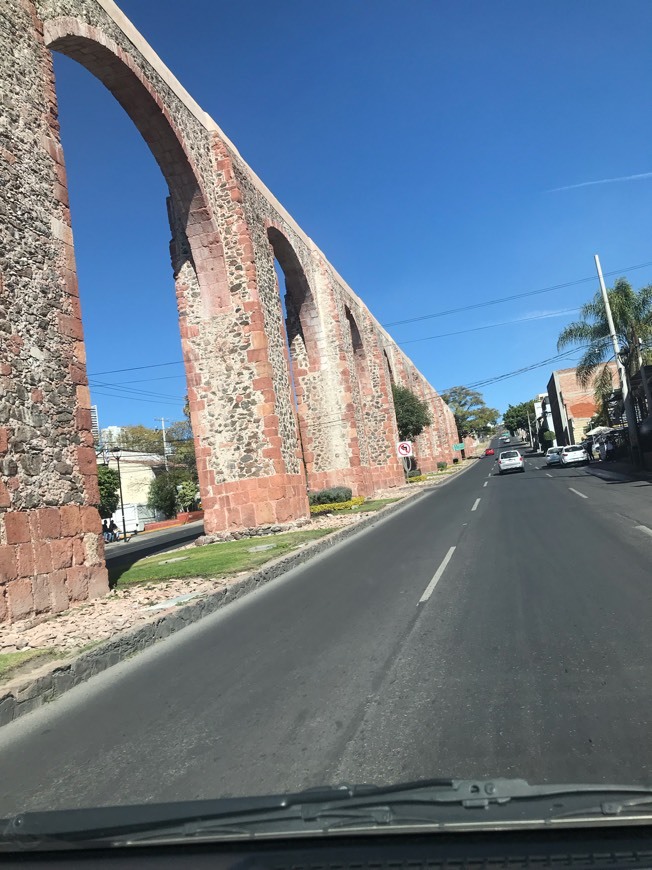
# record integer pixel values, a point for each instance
(419, 144)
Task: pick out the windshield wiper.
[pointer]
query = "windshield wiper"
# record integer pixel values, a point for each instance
(434, 804)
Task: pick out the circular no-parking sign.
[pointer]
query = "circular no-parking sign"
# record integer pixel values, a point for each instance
(404, 448)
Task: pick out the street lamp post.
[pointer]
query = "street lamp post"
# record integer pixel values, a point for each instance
(116, 452)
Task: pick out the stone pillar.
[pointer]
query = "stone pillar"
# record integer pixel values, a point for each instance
(51, 550)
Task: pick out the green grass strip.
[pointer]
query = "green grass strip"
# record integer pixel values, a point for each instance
(215, 560)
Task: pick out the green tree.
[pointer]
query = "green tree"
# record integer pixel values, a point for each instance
(109, 483)
(142, 439)
(186, 494)
(412, 413)
(182, 443)
(516, 416)
(470, 412)
(163, 493)
(632, 316)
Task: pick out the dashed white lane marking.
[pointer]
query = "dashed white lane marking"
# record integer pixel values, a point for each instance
(475, 504)
(485, 483)
(581, 494)
(548, 474)
(435, 580)
(644, 529)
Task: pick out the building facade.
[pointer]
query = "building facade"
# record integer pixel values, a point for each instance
(571, 405)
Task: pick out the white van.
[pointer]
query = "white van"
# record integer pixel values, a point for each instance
(136, 515)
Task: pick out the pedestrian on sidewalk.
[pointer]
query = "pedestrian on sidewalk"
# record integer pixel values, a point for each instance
(113, 530)
(105, 531)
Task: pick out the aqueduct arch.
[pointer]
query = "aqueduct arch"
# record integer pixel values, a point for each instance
(226, 229)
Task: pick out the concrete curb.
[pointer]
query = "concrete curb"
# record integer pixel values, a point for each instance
(47, 684)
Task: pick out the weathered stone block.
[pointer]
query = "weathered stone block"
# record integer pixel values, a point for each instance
(59, 596)
(77, 582)
(8, 563)
(41, 592)
(20, 601)
(17, 527)
(25, 556)
(61, 553)
(70, 520)
(90, 518)
(49, 521)
(98, 582)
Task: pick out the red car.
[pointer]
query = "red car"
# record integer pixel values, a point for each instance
(489, 451)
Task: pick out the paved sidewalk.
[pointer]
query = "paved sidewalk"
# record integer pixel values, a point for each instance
(618, 470)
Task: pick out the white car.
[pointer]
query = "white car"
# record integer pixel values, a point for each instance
(510, 460)
(573, 454)
(553, 456)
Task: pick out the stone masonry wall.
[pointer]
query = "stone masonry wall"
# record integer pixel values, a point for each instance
(258, 452)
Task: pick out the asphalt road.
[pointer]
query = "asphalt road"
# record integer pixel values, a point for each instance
(121, 554)
(524, 651)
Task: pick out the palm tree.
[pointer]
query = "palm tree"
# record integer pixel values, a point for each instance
(632, 315)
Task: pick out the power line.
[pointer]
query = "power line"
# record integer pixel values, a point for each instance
(152, 366)
(489, 326)
(133, 390)
(514, 296)
(149, 380)
(496, 378)
(138, 398)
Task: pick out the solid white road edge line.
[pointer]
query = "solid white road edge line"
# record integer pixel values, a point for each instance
(475, 506)
(644, 529)
(581, 494)
(435, 580)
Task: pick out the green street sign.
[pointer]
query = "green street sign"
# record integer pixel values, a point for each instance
(458, 446)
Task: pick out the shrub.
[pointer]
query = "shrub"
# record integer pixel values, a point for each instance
(414, 472)
(417, 479)
(337, 506)
(442, 466)
(334, 495)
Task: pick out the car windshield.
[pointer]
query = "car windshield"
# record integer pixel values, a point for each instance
(277, 281)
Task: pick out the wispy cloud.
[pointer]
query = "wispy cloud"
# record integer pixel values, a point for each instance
(535, 316)
(602, 181)
(542, 313)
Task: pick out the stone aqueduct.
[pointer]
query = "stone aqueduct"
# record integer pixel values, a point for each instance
(255, 446)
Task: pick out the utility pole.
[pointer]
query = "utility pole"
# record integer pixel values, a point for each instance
(117, 453)
(165, 446)
(529, 428)
(630, 412)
